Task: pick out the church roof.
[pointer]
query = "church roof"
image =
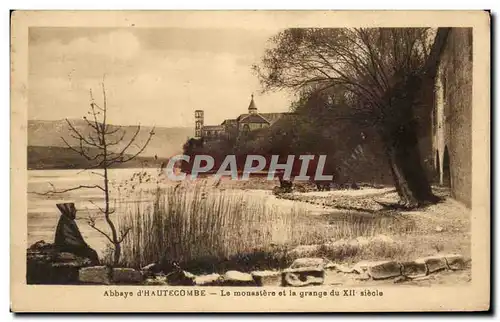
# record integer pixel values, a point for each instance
(270, 117)
(273, 117)
(229, 122)
(252, 118)
(252, 104)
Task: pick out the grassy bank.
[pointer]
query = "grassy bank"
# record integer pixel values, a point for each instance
(186, 225)
(205, 229)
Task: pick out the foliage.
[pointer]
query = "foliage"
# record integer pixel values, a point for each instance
(366, 63)
(377, 73)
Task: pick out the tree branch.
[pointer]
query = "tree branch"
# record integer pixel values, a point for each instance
(91, 222)
(71, 189)
(80, 152)
(141, 150)
(124, 234)
(119, 140)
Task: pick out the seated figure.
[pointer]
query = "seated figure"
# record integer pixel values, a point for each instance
(68, 237)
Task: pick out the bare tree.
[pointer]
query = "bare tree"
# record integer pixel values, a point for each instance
(380, 70)
(96, 146)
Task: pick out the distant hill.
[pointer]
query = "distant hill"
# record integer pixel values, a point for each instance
(51, 157)
(165, 143)
(46, 149)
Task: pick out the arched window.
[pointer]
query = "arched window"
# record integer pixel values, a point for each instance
(437, 165)
(446, 168)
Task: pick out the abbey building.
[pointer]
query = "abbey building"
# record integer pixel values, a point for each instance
(244, 123)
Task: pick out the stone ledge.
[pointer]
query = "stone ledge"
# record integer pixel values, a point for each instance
(127, 276)
(414, 269)
(95, 275)
(267, 278)
(433, 263)
(302, 272)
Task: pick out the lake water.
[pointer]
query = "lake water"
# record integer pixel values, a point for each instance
(125, 187)
(43, 214)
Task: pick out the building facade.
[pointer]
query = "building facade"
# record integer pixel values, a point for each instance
(452, 115)
(229, 128)
(198, 123)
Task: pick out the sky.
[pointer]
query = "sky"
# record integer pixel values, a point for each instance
(153, 76)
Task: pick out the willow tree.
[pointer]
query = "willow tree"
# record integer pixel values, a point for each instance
(380, 71)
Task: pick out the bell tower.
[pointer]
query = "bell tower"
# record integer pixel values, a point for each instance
(252, 109)
(198, 123)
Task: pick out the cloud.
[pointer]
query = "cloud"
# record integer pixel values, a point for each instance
(117, 45)
(145, 84)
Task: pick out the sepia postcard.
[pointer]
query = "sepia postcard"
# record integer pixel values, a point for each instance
(250, 161)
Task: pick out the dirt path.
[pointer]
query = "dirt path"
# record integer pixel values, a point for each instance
(440, 228)
(316, 202)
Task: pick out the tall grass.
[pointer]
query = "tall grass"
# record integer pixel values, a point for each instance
(200, 223)
(186, 224)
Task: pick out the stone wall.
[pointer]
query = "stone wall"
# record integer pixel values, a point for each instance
(306, 271)
(452, 115)
(45, 265)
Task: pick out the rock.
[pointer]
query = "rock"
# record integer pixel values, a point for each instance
(157, 280)
(150, 267)
(378, 270)
(362, 277)
(126, 276)
(433, 263)
(237, 278)
(339, 268)
(331, 275)
(77, 263)
(455, 261)
(361, 267)
(66, 257)
(208, 280)
(304, 250)
(95, 275)
(46, 265)
(40, 245)
(308, 262)
(303, 276)
(181, 277)
(439, 229)
(414, 269)
(400, 279)
(267, 278)
(384, 270)
(150, 270)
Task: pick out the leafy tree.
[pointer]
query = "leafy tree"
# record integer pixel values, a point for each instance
(380, 72)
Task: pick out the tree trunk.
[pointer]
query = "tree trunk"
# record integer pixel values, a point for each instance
(399, 134)
(410, 178)
(117, 254)
(406, 197)
(114, 235)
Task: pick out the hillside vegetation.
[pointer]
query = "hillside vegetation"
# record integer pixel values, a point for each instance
(50, 157)
(165, 143)
(47, 150)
